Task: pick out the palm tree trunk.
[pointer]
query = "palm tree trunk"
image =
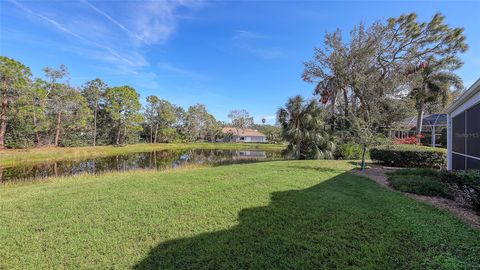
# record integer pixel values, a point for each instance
(421, 110)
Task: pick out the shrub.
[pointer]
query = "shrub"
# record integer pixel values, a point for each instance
(349, 150)
(408, 140)
(418, 184)
(417, 171)
(465, 186)
(411, 156)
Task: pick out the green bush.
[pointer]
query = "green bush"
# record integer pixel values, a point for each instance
(349, 150)
(410, 156)
(419, 184)
(417, 171)
(467, 186)
(462, 186)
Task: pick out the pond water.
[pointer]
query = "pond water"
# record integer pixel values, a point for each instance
(159, 160)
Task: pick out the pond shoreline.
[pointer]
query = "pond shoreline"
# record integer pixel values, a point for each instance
(147, 160)
(16, 157)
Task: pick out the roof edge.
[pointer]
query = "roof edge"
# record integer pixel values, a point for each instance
(472, 90)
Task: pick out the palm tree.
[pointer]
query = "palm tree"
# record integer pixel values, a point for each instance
(434, 87)
(301, 123)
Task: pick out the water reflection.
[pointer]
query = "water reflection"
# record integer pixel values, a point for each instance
(159, 160)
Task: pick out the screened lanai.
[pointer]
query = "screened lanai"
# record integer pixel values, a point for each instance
(432, 127)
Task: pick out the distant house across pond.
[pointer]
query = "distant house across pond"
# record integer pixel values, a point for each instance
(464, 130)
(232, 134)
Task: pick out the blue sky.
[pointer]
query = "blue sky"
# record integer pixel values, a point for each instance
(224, 54)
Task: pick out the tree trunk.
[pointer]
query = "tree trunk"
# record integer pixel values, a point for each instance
(124, 134)
(156, 133)
(334, 100)
(118, 133)
(151, 134)
(35, 124)
(95, 125)
(3, 120)
(57, 128)
(364, 152)
(421, 110)
(345, 97)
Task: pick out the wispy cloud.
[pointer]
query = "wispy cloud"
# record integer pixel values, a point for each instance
(180, 71)
(118, 37)
(253, 43)
(156, 21)
(51, 21)
(244, 34)
(108, 17)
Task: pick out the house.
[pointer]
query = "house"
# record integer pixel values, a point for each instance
(232, 134)
(464, 130)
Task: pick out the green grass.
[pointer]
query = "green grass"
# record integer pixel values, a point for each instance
(276, 215)
(35, 155)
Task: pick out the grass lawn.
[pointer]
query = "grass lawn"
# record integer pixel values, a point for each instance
(13, 157)
(281, 214)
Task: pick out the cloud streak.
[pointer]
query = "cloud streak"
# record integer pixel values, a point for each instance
(251, 43)
(51, 21)
(180, 71)
(120, 43)
(112, 20)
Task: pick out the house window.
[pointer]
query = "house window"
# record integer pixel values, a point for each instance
(242, 138)
(466, 139)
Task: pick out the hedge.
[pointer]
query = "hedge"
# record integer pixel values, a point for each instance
(410, 156)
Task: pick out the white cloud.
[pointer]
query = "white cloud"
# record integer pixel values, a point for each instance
(51, 21)
(111, 19)
(244, 34)
(251, 42)
(97, 34)
(180, 71)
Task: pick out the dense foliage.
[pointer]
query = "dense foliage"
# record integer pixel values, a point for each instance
(461, 186)
(382, 74)
(302, 128)
(416, 182)
(410, 156)
(466, 186)
(36, 112)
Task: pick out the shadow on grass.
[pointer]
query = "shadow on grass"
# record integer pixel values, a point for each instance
(335, 224)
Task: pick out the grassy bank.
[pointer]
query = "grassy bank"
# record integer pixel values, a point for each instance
(35, 155)
(282, 214)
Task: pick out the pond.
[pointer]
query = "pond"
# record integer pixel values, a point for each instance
(158, 160)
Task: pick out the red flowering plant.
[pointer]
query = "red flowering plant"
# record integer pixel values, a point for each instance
(408, 140)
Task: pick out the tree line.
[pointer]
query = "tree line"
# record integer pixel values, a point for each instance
(39, 112)
(366, 84)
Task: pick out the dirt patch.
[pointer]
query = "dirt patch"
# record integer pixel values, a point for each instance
(378, 174)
